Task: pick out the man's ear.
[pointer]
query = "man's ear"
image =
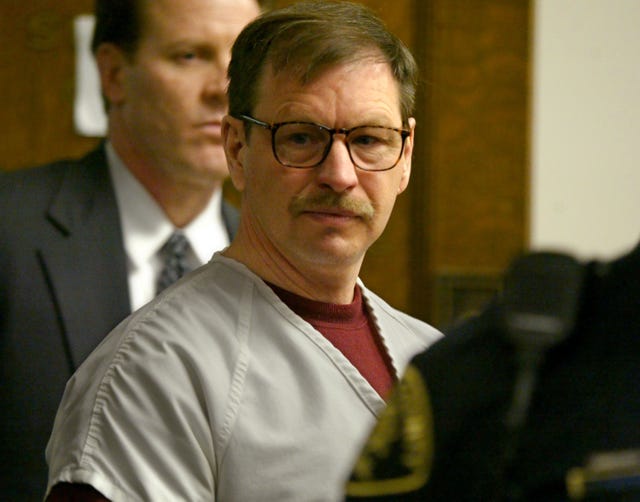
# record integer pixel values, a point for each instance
(111, 62)
(405, 163)
(235, 143)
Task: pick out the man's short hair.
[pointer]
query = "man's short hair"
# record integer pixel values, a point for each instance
(120, 22)
(309, 37)
(117, 22)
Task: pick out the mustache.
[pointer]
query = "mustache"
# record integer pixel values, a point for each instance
(331, 200)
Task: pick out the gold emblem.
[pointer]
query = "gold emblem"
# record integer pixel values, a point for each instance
(397, 458)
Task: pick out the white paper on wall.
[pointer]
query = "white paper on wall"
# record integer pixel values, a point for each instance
(88, 111)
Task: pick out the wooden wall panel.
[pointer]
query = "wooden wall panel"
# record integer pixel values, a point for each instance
(37, 81)
(471, 197)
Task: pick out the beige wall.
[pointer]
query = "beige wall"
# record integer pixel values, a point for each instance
(585, 169)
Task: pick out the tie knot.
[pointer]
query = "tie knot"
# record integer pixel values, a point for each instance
(176, 245)
(174, 255)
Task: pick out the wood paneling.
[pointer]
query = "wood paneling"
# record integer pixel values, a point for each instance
(37, 81)
(470, 198)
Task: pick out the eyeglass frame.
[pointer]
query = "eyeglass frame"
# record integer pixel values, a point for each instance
(404, 134)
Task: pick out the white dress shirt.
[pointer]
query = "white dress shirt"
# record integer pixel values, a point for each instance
(146, 228)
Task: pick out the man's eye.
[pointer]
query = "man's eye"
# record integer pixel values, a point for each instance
(185, 56)
(366, 140)
(298, 138)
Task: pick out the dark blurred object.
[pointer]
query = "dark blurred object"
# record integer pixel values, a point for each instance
(607, 476)
(536, 311)
(577, 403)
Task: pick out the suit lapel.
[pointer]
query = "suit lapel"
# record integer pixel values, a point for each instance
(86, 267)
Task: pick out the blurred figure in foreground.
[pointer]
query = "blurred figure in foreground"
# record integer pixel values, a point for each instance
(536, 399)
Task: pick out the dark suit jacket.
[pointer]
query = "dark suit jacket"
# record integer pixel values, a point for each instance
(63, 287)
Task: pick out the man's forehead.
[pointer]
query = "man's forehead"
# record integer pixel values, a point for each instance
(223, 15)
(286, 90)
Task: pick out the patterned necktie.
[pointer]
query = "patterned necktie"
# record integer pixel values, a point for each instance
(174, 255)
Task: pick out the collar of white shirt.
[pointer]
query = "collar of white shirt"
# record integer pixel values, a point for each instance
(145, 229)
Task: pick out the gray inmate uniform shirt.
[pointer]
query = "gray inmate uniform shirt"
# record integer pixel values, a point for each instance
(216, 390)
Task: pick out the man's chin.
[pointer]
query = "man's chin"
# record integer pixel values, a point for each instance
(334, 253)
(211, 164)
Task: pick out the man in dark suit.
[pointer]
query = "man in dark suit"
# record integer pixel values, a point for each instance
(81, 241)
(507, 410)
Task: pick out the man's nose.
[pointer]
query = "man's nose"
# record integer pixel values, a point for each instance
(338, 170)
(216, 78)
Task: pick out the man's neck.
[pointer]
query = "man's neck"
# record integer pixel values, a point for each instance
(182, 200)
